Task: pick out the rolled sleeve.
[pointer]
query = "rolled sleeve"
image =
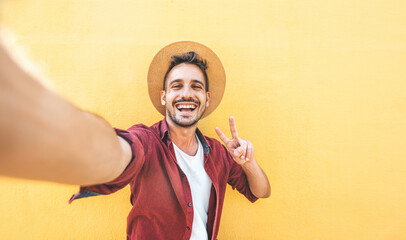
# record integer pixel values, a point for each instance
(136, 163)
(238, 179)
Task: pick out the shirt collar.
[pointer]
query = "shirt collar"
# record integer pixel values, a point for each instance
(164, 135)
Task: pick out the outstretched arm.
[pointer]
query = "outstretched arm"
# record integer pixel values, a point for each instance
(242, 152)
(43, 136)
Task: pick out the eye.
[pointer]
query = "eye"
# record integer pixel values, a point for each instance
(197, 87)
(176, 86)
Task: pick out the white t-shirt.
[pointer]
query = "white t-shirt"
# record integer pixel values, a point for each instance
(200, 185)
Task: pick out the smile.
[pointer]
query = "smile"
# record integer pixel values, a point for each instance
(186, 107)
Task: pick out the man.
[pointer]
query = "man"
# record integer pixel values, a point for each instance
(177, 176)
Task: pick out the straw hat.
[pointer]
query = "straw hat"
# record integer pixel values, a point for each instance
(160, 64)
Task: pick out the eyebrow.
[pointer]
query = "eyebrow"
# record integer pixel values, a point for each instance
(198, 81)
(180, 80)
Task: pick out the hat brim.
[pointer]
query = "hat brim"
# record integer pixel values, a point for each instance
(160, 64)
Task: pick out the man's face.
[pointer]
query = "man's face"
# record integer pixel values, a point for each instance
(185, 96)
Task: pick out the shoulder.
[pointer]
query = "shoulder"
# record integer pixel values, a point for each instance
(140, 137)
(138, 133)
(143, 132)
(139, 129)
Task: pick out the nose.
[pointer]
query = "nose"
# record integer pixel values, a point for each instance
(187, 92)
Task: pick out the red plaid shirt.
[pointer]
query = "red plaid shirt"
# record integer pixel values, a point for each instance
(160, 192)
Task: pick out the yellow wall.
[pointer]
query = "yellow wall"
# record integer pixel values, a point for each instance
(319, 87)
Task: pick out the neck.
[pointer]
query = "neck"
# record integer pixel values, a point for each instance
(183, 137)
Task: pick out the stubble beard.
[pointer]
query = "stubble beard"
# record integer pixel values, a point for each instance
(177, 119)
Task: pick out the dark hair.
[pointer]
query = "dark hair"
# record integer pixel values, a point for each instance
(189, 58)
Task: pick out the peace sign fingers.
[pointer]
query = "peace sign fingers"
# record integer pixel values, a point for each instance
(240, 149)
(233, 130)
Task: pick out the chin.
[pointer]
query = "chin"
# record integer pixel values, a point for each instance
(185, 123)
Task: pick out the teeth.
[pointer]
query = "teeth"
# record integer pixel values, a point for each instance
(186, 106)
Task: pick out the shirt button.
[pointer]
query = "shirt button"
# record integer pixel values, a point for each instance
(189, 204)
(188, 228)
(182, 175)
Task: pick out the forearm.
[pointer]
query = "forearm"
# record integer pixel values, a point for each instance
(257, 179)
(42, 136)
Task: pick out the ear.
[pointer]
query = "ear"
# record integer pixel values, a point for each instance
(207, 99)
(163, 97)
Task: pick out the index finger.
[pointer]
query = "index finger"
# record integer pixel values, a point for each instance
(221, 135)
(233, 128)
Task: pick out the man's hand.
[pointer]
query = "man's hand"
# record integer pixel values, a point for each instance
(241, 149)
(243, 153)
